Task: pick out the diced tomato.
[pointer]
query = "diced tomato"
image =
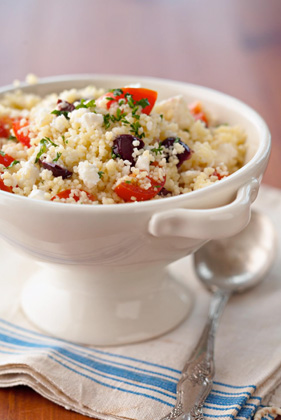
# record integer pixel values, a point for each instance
(219, 176)
(5, 126)
(197, 112)
(6, 159)
(127, 190)
(21, 135)
(137, 94)
(4, 187)
(66, 194)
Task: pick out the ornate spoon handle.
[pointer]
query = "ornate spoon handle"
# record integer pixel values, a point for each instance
(197, 375)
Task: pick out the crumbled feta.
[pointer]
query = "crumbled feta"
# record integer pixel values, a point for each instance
(60, 123)
(136, 143)
(175, 109)
(28, 171)
(77, 114)
(143, 161)
(91, 119)
(37, 194)
(88, 173)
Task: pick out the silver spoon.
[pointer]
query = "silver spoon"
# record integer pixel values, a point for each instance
(224, 266)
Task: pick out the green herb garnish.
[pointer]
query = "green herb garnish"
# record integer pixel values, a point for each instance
(12, 164)
(44, 144)
(89, 104)
(130, 100)
(114, 155)
(13, 138)
(116, 92)
(143, 103)
(2, 153)
(57, 157)
(63, 139)
(157, 150)
(135, 129)
(100, 173)
(57, 113)
(128, 182)
(106, 121)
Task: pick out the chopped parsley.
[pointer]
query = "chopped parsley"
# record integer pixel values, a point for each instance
(143, 103)
(116, 92)
(135, 130)
(2, 153)
(128, 182)
(161, 116)
(63, 139)
(130, 100)
(44, 144)
(157, 150)
(57, 113)
(57, 157)
(114, 155)
(106, 121)
(13, 138)
(12, 164)
(100, 173)
(84, 104)
(120, 116)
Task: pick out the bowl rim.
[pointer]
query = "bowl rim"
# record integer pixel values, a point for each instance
(261, 154)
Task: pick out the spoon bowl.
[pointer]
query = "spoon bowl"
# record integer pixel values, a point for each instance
(240, 262)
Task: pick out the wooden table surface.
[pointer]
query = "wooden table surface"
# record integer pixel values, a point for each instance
(232, 46)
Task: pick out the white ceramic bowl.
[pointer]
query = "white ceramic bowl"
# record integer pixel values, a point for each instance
(103, 269)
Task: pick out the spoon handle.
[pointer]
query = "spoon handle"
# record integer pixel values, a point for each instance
(196, 379)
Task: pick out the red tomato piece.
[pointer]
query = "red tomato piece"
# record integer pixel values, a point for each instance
(21, 135)
(127, 190)
(215, 173)
(66, 194)
(4, 187)
(197, 112)
(6, 160)
(5, 126)
(137, 94)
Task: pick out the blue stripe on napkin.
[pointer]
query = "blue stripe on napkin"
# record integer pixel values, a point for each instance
(126, 374)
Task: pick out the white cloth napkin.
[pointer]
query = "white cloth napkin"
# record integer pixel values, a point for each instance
(139, 381)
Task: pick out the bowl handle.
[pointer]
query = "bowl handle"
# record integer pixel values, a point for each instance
(205, 224)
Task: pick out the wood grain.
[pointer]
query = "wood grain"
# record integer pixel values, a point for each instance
(233, 46)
